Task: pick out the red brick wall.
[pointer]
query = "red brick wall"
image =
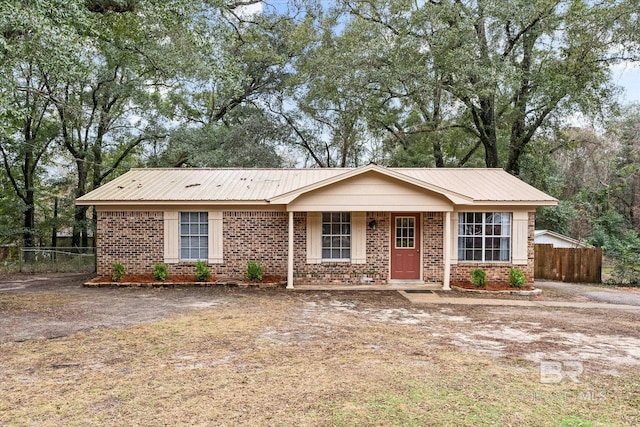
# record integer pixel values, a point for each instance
(248, 236)
(253, 236)
(134, 239)
(498, 272)
(344, 273)
(432, 241)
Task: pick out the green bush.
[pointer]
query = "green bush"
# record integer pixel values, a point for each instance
(626, 266)
(254, 271)
(118, 272)
(478, 277)
(516, 278)
(202, 272)
(160, 272)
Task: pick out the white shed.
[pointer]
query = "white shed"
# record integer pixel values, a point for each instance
(557, 240)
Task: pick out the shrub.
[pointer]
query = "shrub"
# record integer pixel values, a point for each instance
(118, 272)
(626, 259)
(202, 272)
(160, 272)
(516, 278)
(254, 271)
(478, 277)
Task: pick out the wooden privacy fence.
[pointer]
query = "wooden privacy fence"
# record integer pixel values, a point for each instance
(568, 264)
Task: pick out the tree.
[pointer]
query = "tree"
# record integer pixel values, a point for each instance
(34, 40)
(596, 177)
(220, 106)
(508, 68)
(247, 138)
(100, 116)
(108, 109)
(323, 101)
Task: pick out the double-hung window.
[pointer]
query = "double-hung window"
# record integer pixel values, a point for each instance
(484, 236)
(336, 236)
(194, 236)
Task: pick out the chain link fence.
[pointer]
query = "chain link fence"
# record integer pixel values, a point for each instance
(56, 260)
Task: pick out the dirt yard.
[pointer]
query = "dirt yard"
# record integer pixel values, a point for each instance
(219, 356)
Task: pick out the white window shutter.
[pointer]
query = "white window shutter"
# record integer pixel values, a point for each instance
(216, 241)
(314, 237)
(171, 237)
(520, 238)
(358, 238)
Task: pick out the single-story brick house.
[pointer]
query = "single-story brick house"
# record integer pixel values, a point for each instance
(362, 225)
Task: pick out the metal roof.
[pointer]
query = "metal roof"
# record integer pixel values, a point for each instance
(260, 185)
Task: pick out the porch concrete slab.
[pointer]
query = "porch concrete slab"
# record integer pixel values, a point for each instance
(388, 287)
(433, 298)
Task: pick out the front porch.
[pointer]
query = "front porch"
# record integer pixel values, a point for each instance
(375, 247)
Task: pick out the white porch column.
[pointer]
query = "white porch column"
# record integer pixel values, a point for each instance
(290, 253)
(446, 247)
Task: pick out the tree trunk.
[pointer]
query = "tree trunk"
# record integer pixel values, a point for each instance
(488, 132)
(437, 154)
(516, 149)
(29, 223)
(79, 238)
(486, 117)
(54, 229)
(519, 138)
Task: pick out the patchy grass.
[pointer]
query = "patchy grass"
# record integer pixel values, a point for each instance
(40, 302)
(276, 358)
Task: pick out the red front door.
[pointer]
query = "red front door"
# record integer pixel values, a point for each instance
(405, 246)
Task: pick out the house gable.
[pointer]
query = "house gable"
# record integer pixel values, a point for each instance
(370, 191)
(288, 197)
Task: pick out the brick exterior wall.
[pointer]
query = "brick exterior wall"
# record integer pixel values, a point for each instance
(248, 236)
(432, 241)
(344, 273)
(135, 239)
(499, 272)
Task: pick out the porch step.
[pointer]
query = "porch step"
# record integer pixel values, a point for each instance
(413, 284)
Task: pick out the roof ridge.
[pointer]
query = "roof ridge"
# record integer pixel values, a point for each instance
(238, 169)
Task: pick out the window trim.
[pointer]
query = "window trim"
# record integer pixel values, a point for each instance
(206, 222)
(331, 235)
(460, 248)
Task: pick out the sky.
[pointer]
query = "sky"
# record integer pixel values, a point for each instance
(628, 77)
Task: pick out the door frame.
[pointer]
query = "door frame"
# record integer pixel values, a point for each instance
(392, 226)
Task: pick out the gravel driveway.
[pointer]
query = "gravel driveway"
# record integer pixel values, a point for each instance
(630, 296)
(57, 305)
